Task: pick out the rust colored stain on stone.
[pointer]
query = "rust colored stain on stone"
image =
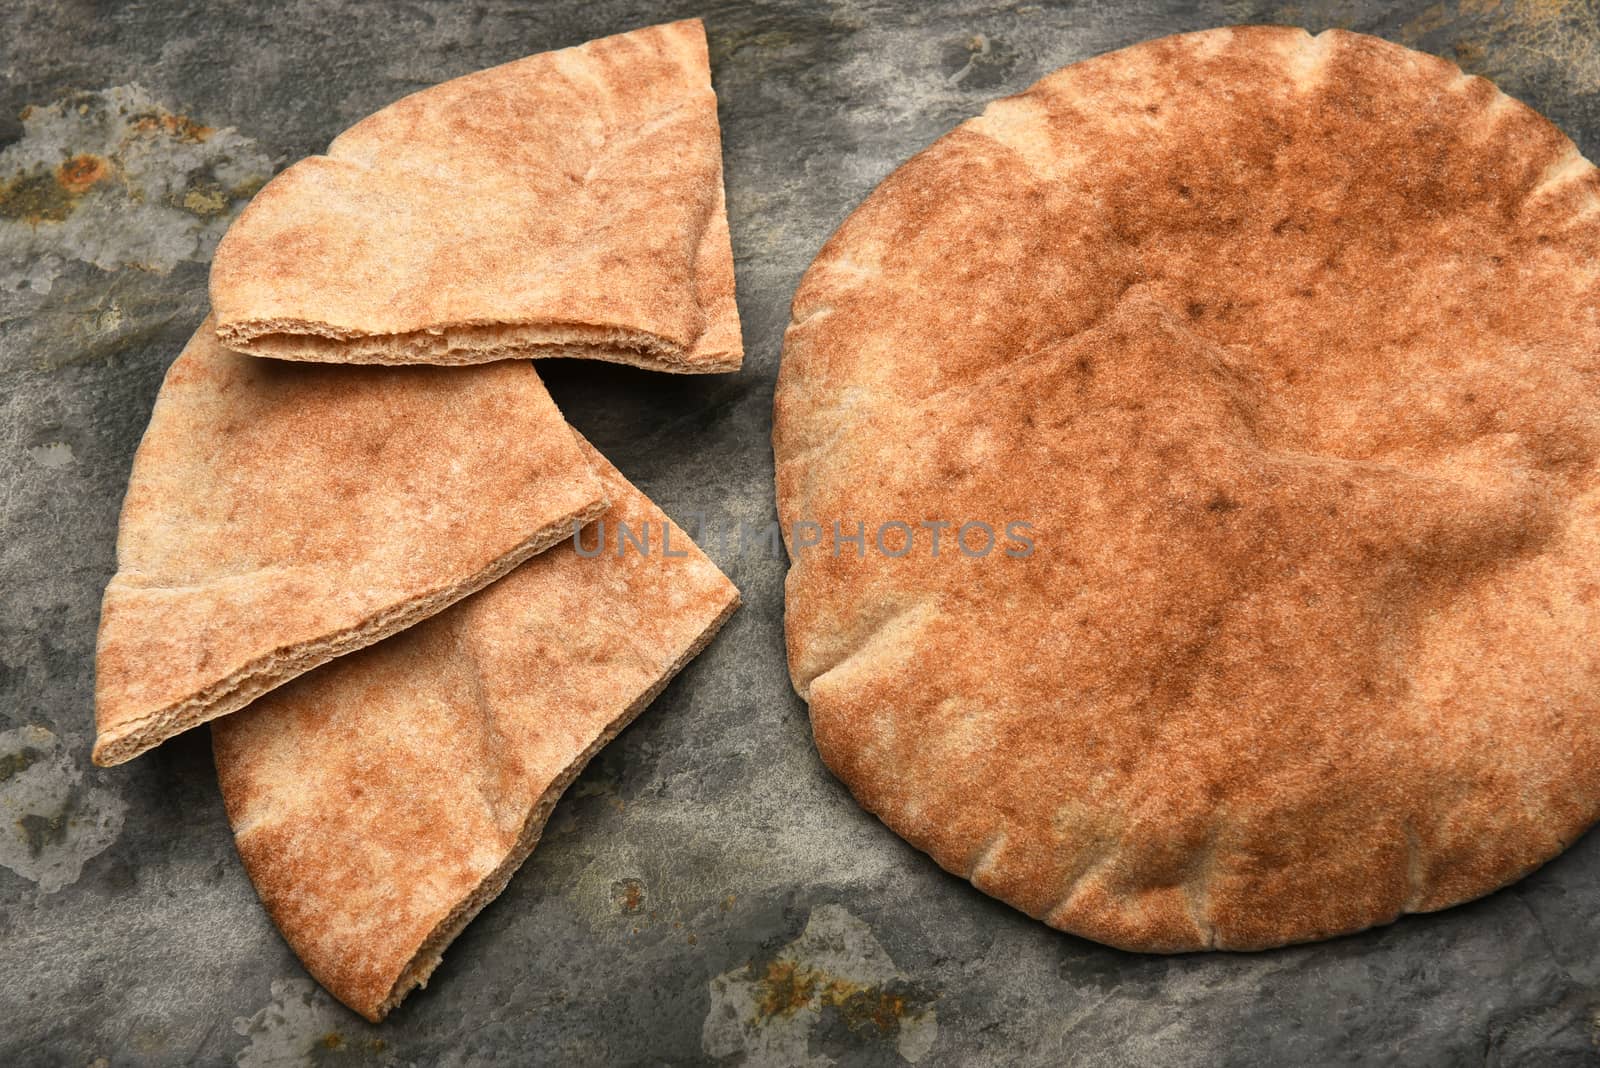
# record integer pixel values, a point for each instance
(35, 198)
(50, 196)
(80, 172)
(629, 894)
(180, 126)
(787, 987)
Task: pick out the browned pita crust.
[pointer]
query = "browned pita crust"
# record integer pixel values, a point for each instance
(1287, 348)
(279, 515)
(380, 802)
(567, 204)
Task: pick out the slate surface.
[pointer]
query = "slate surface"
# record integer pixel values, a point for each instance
(706, 892)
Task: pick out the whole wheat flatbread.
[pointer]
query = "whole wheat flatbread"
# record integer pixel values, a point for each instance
(1286, 347)
(380, 802)
(279, 515)
(566, 204)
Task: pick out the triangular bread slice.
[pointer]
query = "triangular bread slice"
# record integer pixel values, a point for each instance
(380, 802)
(566, 204)
(281, 514)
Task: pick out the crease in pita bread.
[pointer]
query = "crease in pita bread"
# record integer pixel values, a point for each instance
(380, 802)
(566, 204)
(279, 515)
(1280, 345)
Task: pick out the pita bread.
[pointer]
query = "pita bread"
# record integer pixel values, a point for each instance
(279, 515)
(380, 802)
(1285, 346)
(567, 204)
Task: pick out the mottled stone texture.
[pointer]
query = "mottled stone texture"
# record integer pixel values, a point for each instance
(706, 892)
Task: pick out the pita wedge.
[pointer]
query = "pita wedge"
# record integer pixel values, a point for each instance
(279, 515)
(566, 204)
(1252, 375)
(380, 802)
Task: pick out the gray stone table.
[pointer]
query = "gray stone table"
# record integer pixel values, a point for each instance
(706, 892)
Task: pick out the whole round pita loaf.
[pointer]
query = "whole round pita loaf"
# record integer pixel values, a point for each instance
(282, 514)
(566, 204)
(380, 802)
(1286, 348)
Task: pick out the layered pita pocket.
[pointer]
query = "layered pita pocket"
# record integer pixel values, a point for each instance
(380, 802)
(566, 204)
(279, 515)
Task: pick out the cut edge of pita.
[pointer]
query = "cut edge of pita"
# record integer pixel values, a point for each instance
(469, 343)
(129, 739)
(431, 953)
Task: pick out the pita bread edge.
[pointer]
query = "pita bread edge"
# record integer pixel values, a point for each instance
(131, 738)
(292, 278)
(431, 953)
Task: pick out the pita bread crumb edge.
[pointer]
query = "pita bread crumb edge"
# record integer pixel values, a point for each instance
(441, 753)
(567, 204)
(280, 515)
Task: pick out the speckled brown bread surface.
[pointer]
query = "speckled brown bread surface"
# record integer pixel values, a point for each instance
(1287, 349)
(567, 204)
(381, 801)
(281, 514)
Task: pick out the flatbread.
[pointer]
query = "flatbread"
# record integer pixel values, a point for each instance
(380, 802)
(279, 515)
(1285, 347)
(566, 204)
